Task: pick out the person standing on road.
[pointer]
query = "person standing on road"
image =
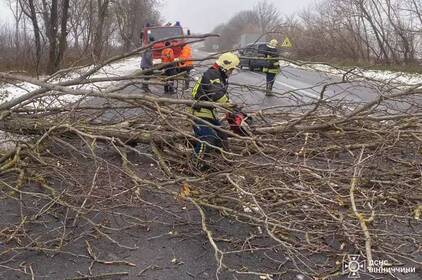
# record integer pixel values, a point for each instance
(167, 57)
(211, 87)
(146, 64)
(272, 65)
(185, 64)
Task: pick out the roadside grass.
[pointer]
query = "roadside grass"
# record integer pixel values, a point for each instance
(413, 68)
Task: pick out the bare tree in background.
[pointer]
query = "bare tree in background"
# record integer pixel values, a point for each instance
(17, 15)
(267, 15)
(49, 34)
(28, 7)
(262, 19)
(375, 31)
(131, 16)
(402, 29)
(102, 6)
(213, 42)
(244, 21)
(56, 34)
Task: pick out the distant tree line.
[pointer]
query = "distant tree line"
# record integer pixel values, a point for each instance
(368, 31)
(49, 34)
(264, 17)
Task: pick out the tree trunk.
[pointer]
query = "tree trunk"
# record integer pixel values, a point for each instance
(368, 17)
(63, 34)
(51, 27)
(99, 31)
(33, 17)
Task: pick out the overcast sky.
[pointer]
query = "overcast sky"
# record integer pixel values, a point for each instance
(203, 15)
(5, 14)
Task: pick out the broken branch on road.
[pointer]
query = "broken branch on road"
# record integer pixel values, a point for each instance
(315, 181)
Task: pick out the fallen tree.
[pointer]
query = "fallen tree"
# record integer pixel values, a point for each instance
(316, 180)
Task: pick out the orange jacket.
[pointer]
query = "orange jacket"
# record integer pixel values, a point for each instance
(185, 55)
(167, 55)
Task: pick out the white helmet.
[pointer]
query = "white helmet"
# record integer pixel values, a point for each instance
(228, 61)
(273, 43)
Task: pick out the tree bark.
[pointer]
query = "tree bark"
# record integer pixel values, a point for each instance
(99, 31)
(51, 26)
(368, 17)
(33, 17)
(63, 34)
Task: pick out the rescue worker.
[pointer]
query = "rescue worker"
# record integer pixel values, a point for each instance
(273, 65)
(185, 64)
(211, 87)
(146, 64)
(167, 56)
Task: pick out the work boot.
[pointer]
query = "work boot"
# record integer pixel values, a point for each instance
(199, 164)
(170, 90)
(145, 88)
(186, 84)
(268, 90)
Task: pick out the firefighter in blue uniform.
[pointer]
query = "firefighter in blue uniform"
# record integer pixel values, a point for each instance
(211, 87)
(273, 65)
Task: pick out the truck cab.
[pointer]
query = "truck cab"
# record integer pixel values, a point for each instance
(162, 32)
(253, 56)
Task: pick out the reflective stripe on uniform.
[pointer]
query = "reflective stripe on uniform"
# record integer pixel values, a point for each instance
(271, 70)
(275, 66)
(204, 113)
(223, 99)
(196, 87)
(207, 112)
(201, 153)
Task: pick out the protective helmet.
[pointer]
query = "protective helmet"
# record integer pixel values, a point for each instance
(273, 43)
(228, 61)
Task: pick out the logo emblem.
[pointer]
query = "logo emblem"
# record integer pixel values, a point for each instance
(353, 265)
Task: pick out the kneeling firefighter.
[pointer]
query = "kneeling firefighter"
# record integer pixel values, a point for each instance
(211, 87)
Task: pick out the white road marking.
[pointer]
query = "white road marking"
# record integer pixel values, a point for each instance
(312, 95)
(302, 91)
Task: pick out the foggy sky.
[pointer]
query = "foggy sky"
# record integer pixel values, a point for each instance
(5, 14)
(203, 15)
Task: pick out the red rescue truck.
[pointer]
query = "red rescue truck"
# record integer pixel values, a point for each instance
(162, 32)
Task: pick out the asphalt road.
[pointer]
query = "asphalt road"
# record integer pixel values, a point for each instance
(296, 86)
(172, 245)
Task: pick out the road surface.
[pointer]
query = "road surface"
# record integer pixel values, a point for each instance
(294, 86)
(171, 244)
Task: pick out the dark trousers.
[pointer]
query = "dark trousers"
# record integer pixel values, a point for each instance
(148, 73)
(208, 137)
(169, 86)
(187, 72)
(270, 81)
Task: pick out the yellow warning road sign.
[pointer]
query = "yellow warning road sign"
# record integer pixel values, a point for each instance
(286, 43)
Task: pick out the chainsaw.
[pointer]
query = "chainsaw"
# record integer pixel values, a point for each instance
(239, 122)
